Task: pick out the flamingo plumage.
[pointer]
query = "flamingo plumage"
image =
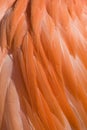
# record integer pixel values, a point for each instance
(43, 65)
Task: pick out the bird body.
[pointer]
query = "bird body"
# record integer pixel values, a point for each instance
(43, 65)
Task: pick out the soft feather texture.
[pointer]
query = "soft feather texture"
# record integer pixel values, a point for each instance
(43, 65)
